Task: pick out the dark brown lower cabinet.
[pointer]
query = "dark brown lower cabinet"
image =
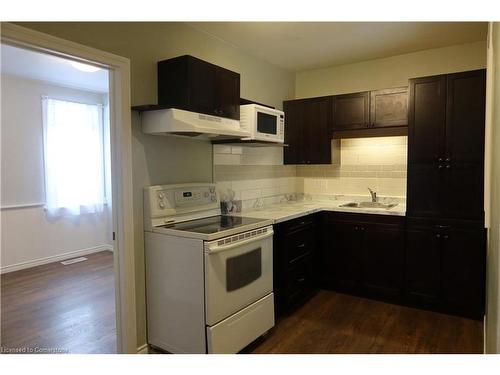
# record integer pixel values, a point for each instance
(363, 253)
(294, 262)
(445, 266)
(424, 263)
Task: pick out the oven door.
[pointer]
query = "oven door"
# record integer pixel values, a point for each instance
(238, 272)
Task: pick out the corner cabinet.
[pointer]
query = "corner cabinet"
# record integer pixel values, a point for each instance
(307, 131)
(186, 82)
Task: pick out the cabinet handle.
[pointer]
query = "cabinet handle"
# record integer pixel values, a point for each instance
(445, 236)
(448, 166)
(302, 245)
(438, 235)
(301, 280)
(362, 229)
(443, 226)
(356, 228)
(448, 160)
(440, 166)
(440, 160)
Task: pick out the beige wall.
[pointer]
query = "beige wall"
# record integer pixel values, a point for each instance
(164, 159)
(389, 72)
(493, 154)
(147, 43)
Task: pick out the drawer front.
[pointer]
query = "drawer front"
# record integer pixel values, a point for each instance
(240, 329)
(299, 280)
(299, 243)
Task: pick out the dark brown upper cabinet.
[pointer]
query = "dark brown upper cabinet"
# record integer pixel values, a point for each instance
(351, 111)
(186, 82)
(370, 113)
(446, 146)
(307, 131)
(389, 107)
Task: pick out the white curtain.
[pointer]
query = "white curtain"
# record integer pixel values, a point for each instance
(73, 157)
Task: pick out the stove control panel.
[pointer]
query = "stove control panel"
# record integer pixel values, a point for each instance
(171, 200)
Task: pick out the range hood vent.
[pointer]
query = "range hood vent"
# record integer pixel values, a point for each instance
(179, 122)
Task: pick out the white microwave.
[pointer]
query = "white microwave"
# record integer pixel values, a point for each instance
(263, 123)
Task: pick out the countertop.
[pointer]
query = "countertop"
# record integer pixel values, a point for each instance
(281, 212)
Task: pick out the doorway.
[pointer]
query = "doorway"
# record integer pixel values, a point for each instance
(58, 281)
(120, 231)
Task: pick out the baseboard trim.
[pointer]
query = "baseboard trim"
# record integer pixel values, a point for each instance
(54, 258)
(143, 349)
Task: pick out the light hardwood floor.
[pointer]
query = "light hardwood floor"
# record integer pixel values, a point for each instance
(70, 308)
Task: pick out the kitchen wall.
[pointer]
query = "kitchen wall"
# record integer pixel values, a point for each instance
(165, 159)
(378, 163)
(493, 197)
(389, 72)
(30, 238)
(255, 174)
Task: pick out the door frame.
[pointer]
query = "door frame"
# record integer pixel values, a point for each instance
(121, 163)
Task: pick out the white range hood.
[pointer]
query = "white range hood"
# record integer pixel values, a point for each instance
(194, 125)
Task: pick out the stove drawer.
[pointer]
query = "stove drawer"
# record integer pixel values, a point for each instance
(240, 329)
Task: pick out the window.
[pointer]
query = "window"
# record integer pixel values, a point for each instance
(73, 157)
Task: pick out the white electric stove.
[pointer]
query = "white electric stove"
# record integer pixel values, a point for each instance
(209, 277)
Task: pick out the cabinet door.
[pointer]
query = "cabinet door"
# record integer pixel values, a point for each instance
(423, 266)
(389, 107)
(464, 271)
(424, 187)
(351, 111)
(294, 117)
(463, 191)
(227, 91)
(316, 148)
(465, 116)
(383, 254)
(426, 119)
(342, 255)
(202, 87)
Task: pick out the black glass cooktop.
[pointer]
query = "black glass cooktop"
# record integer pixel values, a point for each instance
(214, 224)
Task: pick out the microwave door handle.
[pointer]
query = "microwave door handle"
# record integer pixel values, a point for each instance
(218, 248)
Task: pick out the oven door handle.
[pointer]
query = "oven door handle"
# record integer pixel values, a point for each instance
(218, 248)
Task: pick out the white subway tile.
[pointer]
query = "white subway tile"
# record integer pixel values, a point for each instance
(222, 149)
(226, 159)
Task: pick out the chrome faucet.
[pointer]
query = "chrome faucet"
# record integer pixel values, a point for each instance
(374, 195)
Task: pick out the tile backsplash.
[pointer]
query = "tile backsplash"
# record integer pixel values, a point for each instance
(256, 175)
(379, 163)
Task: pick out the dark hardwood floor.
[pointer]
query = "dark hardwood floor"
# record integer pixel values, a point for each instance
(338, 323)
(70, 308)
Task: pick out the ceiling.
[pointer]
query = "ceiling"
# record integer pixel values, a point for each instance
(44, 67)
(297, 46)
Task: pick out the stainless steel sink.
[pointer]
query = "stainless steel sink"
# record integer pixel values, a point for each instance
(385, 206)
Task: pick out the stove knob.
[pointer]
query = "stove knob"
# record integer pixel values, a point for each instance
(161, 195)
(161, 204)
